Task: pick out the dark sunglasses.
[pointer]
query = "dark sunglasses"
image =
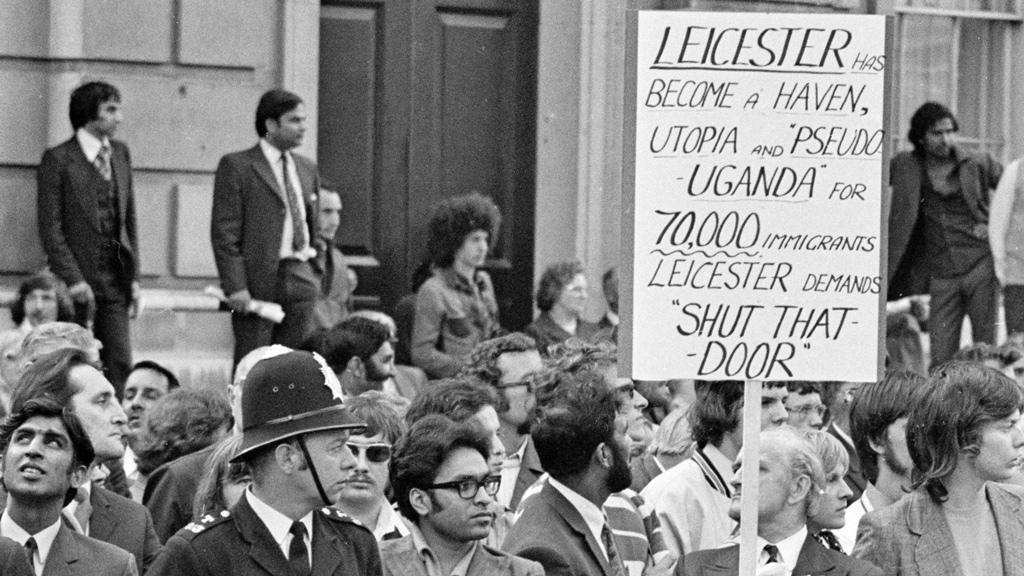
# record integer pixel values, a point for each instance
(376, 453)
(468, 487)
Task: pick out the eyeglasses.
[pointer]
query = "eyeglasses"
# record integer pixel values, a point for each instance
(531, 381)
(468, 487)
(806, 409)
(376, 453)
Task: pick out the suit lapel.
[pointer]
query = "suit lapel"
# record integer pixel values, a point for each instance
(1006, 507)
(932, 553)
(102, 522)
(263, 169)
(122, 174)
(262, 548)
(64, 553)
(529, 470)
(813, 559)
(725, 561)
(572, 517)
(89, 180)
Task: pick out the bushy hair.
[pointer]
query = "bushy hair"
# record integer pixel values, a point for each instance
(219, 471)
(86, 100)
(372, 408)
(483, 361)
(274, 104)
(182, 422)
(717, 410)
(418, 455)
(950, 416)
(554, 279)
(575, 354)
(923, 119)
(49, 377)
(46, 407)
(354, 337)
(456, 218)
(457, 398)
(52, 336)
(875, 407)
(44, 281)
(172, 380)
(572, 422)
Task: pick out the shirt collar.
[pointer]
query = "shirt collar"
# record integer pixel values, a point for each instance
(720, 461)
(90, 144)
(388, 521)
(612, 317)
(44, 538)
(591, 514)
(272, 153)
(278, 524)
(430, 559)
(789, 547)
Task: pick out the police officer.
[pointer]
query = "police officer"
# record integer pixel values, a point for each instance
(295, 435)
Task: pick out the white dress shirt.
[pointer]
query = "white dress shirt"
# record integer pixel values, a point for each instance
(273, 156)
(789, 549)
(44, 539)
(280, 525)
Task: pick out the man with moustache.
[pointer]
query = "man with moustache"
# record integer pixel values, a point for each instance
(46, 455)
(295, 442)
(582, 445)
(938, 231)
(67, 377)
(964, 436)
(508, 364)
(790, 480)
(878, 424)
(444, 485)
(264, 203)
(363, 496)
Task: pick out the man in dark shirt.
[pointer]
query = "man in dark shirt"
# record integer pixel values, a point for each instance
(938, 230)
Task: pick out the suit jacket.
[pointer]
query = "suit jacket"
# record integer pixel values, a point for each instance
(171, 489)
(552, 532)
(238, 542)
(68, 215)
(125, 524)
(815, 560)
(978, 176)
(248, 216)
(400, 558)
(13, 561)
(854, 474)
(912, 538)
(74, 554)
(529, 471)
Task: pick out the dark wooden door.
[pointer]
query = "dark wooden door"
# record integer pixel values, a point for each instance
(425, 99)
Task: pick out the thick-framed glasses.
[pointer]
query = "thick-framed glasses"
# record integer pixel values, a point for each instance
(376, 453)
(807, 409)
(468, 487)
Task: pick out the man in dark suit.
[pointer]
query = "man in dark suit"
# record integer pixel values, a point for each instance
(507, 364)
(332, 305)
(264, 204)
(46, 455)
(12, 559)
(67, 377)
(938, 230)
(582, 444)
(790, 479)
(295, 442)
(86, 212)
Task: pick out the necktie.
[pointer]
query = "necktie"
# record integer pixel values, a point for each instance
(30, 548)
(829, 540)
(102, 162)
(84, 509)
(298, 224)
(298, 554)
(773, 553)
(614, 561)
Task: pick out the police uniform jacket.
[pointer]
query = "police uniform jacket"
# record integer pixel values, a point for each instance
(237, 542)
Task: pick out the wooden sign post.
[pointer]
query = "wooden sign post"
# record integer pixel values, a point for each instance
(752, 224)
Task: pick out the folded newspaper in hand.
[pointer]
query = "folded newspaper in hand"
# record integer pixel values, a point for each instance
(270, 311)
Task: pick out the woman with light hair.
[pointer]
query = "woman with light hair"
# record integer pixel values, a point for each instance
(828, 511)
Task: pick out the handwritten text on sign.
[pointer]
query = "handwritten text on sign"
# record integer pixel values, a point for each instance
(759, 143)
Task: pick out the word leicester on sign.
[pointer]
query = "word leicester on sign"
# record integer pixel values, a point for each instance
(752, 47)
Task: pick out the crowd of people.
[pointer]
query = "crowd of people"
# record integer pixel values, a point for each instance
(437, 443)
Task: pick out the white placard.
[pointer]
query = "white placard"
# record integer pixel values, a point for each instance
(757, 196)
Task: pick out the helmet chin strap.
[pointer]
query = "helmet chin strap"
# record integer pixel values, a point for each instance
(312, 471)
